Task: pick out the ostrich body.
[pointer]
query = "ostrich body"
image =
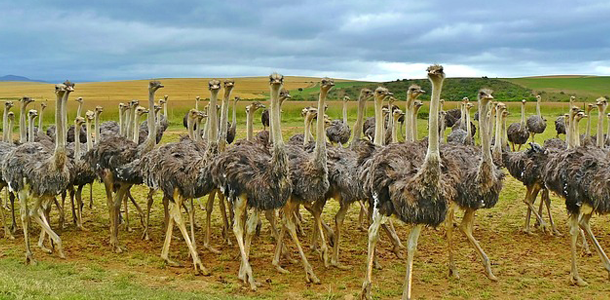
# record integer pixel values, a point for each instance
(26, 164)
(479, 184)
(560, 126)
(517, 132)
(257, 179)
(114, 152)
(339, 132)
(415, 189)
(536, 123)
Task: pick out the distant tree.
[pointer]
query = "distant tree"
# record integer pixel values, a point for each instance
(300, 89)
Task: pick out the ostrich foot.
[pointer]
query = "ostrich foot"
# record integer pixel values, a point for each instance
(29, 259)
(366, 290)
(200, 269)
(172, 263)
(454, 272)
(398, 251)
(145, 236)
(527, 231)
(280, 269)
(576, 280)
(310, 276)
(376, 264)
(557, 233)
(61, 253)
(8, 235)
(211, 249)
(44, 249)
(339, 266)
(490, 275)
(82, 228)
(115, 247)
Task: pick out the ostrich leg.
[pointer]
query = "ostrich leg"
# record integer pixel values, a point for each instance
(149, 203)
(377, 220)
(176, 215)
(42, 221)
(222, 204)
(240, 206)
(79, 207)
(584, 224)
(12, 200)
(90, 195)
(208, 223)
(289, 223)
(7, 230)
(449, 222)
(411, 247)
(339, 218)
(25, 222)
(530, 197)
(547, 200)
(362, 219)
(137, 206)
(317, 208)
(466, 227)
(574, 231)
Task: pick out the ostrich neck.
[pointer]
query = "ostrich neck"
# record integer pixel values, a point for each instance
(498, 137)
(205, 130)
(378, 122)
(234, 117)
(600, 123)
(213, 119)
(574, 128)
(22, 121)
(320, 149)
(131, 117)
(158, 119)
(9, 134)
(5, 133)
(127, 121)
(414, 124)
(485, 138)
(504, 133)
(408, 121)
(79, 109)
(97, 128)
(249, 127)
(306, 130)
(538, 107)
(274, 119)
(189, 125)
(60, 132)
(121, 122)
(359, 119)
(433, 153)
(491, 124)
(395, 131)
(165, 110)
(31, 129)
(197, 133)
(89, 140)
(600, 143)
(522, 116)
(151, 139)
(468, 128)
(345, 113)
(77, 150)
(136, 131)
(443, 127)
(224, 117)
(588, 132)
(40, 120)
(577, 133)
(196, 105)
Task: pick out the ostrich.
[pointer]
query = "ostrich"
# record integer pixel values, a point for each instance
(264, 135)
(417, 104)
(461, 133)
(39, 130)
(232, 131)
(396, 115)
(479, 185)
(256, 179)
(580, 176)
(388, 116)
(560, 126)
(415, 189)
(32, 114)
(109, 154)
(25, 101)
(586, 138)
(185, 119)
(26, 164)
(497, 144)
(303, 139)
(250, 110)
(602, 104)
(517, 132)
(536, 123)
(339, 132)
(413, 92)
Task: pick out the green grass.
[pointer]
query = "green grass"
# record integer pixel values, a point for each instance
(560, 89)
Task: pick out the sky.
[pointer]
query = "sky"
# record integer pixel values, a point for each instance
(365, 40)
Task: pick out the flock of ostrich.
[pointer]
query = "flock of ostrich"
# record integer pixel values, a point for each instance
(421, 182)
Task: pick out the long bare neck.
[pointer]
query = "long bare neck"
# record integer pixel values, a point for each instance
(414, 124)
(443, 127)
(22, 122)
(249, 126)
(60, 131)
(128, 118)
(588, 132)
(31, 129)
(498, 137)
(40, 120)
(522, 115)
(485, 138)
(98, 131)
(320, 150)
(538, 107)
(408, 118)
(576, 133)
(121, 122)
(165, 110)
(274, 119)
(599, 143)
(573, 128)
(491, 123)
(234, 118)
(213, 119)
(79, 109)
(189, 125)
(205, 130)
(136, 129)
(151, 139)
(5, 133)
(77, 149)
(504, 133)
(359, 119)
(600, 123)
(395, 131)
(345, 112)
(9, 134)
(433, 153)
(468, 128)
(379, 136)
(224, 117)
(89, 137)
(198, 136)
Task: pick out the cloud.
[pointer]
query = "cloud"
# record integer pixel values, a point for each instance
(372, 40)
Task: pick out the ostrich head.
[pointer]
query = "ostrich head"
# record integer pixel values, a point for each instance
(418, 104)
(397, 114)
(381, 94)
(27, 100)
(162, 101)
(365, 94)
(32, 113)
(326, 84)
(523, 101)
(214, 85)
(8, 105)
(310, 113)
(385, 111)
(436, 74)
(601, 103)
(79, 100)
(276, 79)
(442, 101)
(469, 106)
(140, 110)
(200, 116)
(193, 113)
(254, 106)
(284, 95)
(236, 99)
(90, 115)
(485, 97)
(154, 85)
(228, 84)
(156, 108)
(345, 98)
(539, 98)
(327, 121)
(122, 107)
(165, 97)
(391, 101)
(43, 106)
(415, 91)
(572, 98)
(465, 100)
(589, 108)
(505, 114)
(197, 98)
(134, 103)
(11, 116)
(78, 121)
(98, 110)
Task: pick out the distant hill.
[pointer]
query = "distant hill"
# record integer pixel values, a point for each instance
(18, 78)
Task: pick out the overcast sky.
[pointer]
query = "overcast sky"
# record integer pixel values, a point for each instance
(371, 40)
